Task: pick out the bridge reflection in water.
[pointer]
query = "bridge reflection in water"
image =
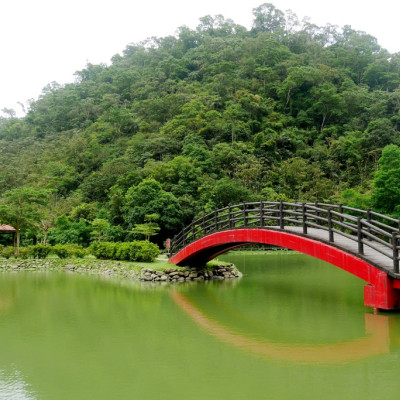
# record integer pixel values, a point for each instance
(362, 242)
(378, 339)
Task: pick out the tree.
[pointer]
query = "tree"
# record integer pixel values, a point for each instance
(20, 208)
(149, 198)
(386, 194)
(66, 232)
(100, 227)
(267, 18)
(150, 228)
(9, 112)
(328, 103)
(49, 212)
(224, 192)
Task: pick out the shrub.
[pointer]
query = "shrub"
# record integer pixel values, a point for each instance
(61, 250)
(138, 250)
(103, 250)
(144, 251)
(7, 252)
(69, 250)
(123, 251)
(24, 252)
(77, 251)
(39, 250)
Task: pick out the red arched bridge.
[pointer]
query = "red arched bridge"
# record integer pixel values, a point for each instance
(362, 242)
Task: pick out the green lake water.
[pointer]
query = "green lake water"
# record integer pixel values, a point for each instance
(292, 328)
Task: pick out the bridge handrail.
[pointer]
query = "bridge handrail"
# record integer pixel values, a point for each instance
(366, 227)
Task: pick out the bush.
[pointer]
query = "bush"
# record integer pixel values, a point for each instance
(103, 250)
(144, 251)
(39, 251)
(7, 252)
(138, 250)
(77, 251)
(24, 252)
(69, 250)
(123, 251)
(61, 250)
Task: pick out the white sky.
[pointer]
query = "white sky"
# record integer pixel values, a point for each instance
(48, 40)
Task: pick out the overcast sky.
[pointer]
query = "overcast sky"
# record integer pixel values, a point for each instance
(42, 41)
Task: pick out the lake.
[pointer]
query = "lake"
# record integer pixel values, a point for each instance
(293, 328)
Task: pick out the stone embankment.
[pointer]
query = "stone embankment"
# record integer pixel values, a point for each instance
(125, 270)
(190, 274)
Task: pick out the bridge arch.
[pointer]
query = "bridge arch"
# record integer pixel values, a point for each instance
(316, 230)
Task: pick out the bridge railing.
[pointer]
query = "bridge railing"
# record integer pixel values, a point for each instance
(366, 227)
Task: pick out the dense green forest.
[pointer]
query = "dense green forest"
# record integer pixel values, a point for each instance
(180, 125)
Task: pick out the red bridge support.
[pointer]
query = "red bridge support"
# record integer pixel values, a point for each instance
(382, 291)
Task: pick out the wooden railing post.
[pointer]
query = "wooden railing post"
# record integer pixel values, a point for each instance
(262, 213)
(317, 221)
(216, 220)
(304, 214)
(395, 252)
(172, 248)
(360, 236)
(183, 238)
(281, 220)
(341, 219)
(296, 217)
(193, 232)
(245, 213)
(203, 225)
(330, 225)
(369, 221)
(230, 217)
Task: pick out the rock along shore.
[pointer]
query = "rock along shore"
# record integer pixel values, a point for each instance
(127, 270)
(190, 274)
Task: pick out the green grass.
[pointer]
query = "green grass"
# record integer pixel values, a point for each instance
(214, 263)
(159, 265)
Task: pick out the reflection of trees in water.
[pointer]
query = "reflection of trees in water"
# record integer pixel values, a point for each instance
(162, 286)
(5, 304)
(377, 340)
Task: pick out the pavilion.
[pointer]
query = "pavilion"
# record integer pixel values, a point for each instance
(8, 230)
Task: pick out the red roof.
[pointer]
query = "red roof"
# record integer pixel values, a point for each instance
(7, 229)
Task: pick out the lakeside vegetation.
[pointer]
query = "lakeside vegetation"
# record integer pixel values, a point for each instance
(139, 250)
(158, 270)
(178, 126)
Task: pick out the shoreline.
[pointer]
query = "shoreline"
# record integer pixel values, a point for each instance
(157, 271)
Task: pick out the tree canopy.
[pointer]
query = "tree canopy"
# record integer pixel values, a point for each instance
(179, 125)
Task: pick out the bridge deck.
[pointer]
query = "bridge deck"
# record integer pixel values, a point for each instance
(382, 261)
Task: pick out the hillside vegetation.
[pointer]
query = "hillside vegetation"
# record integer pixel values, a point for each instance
(180, 125)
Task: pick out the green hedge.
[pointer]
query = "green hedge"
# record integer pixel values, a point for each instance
(133, 251)
(69, 250)
(139, 250)
(36, 251)
(42, 251)
(7, 252)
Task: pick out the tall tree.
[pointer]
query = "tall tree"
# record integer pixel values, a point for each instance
(149, 198)
(267, 18)
(20, 208)
(386, 194)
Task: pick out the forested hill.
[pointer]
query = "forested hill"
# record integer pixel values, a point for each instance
(180, 125)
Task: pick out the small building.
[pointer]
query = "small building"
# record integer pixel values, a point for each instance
(8, 230)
